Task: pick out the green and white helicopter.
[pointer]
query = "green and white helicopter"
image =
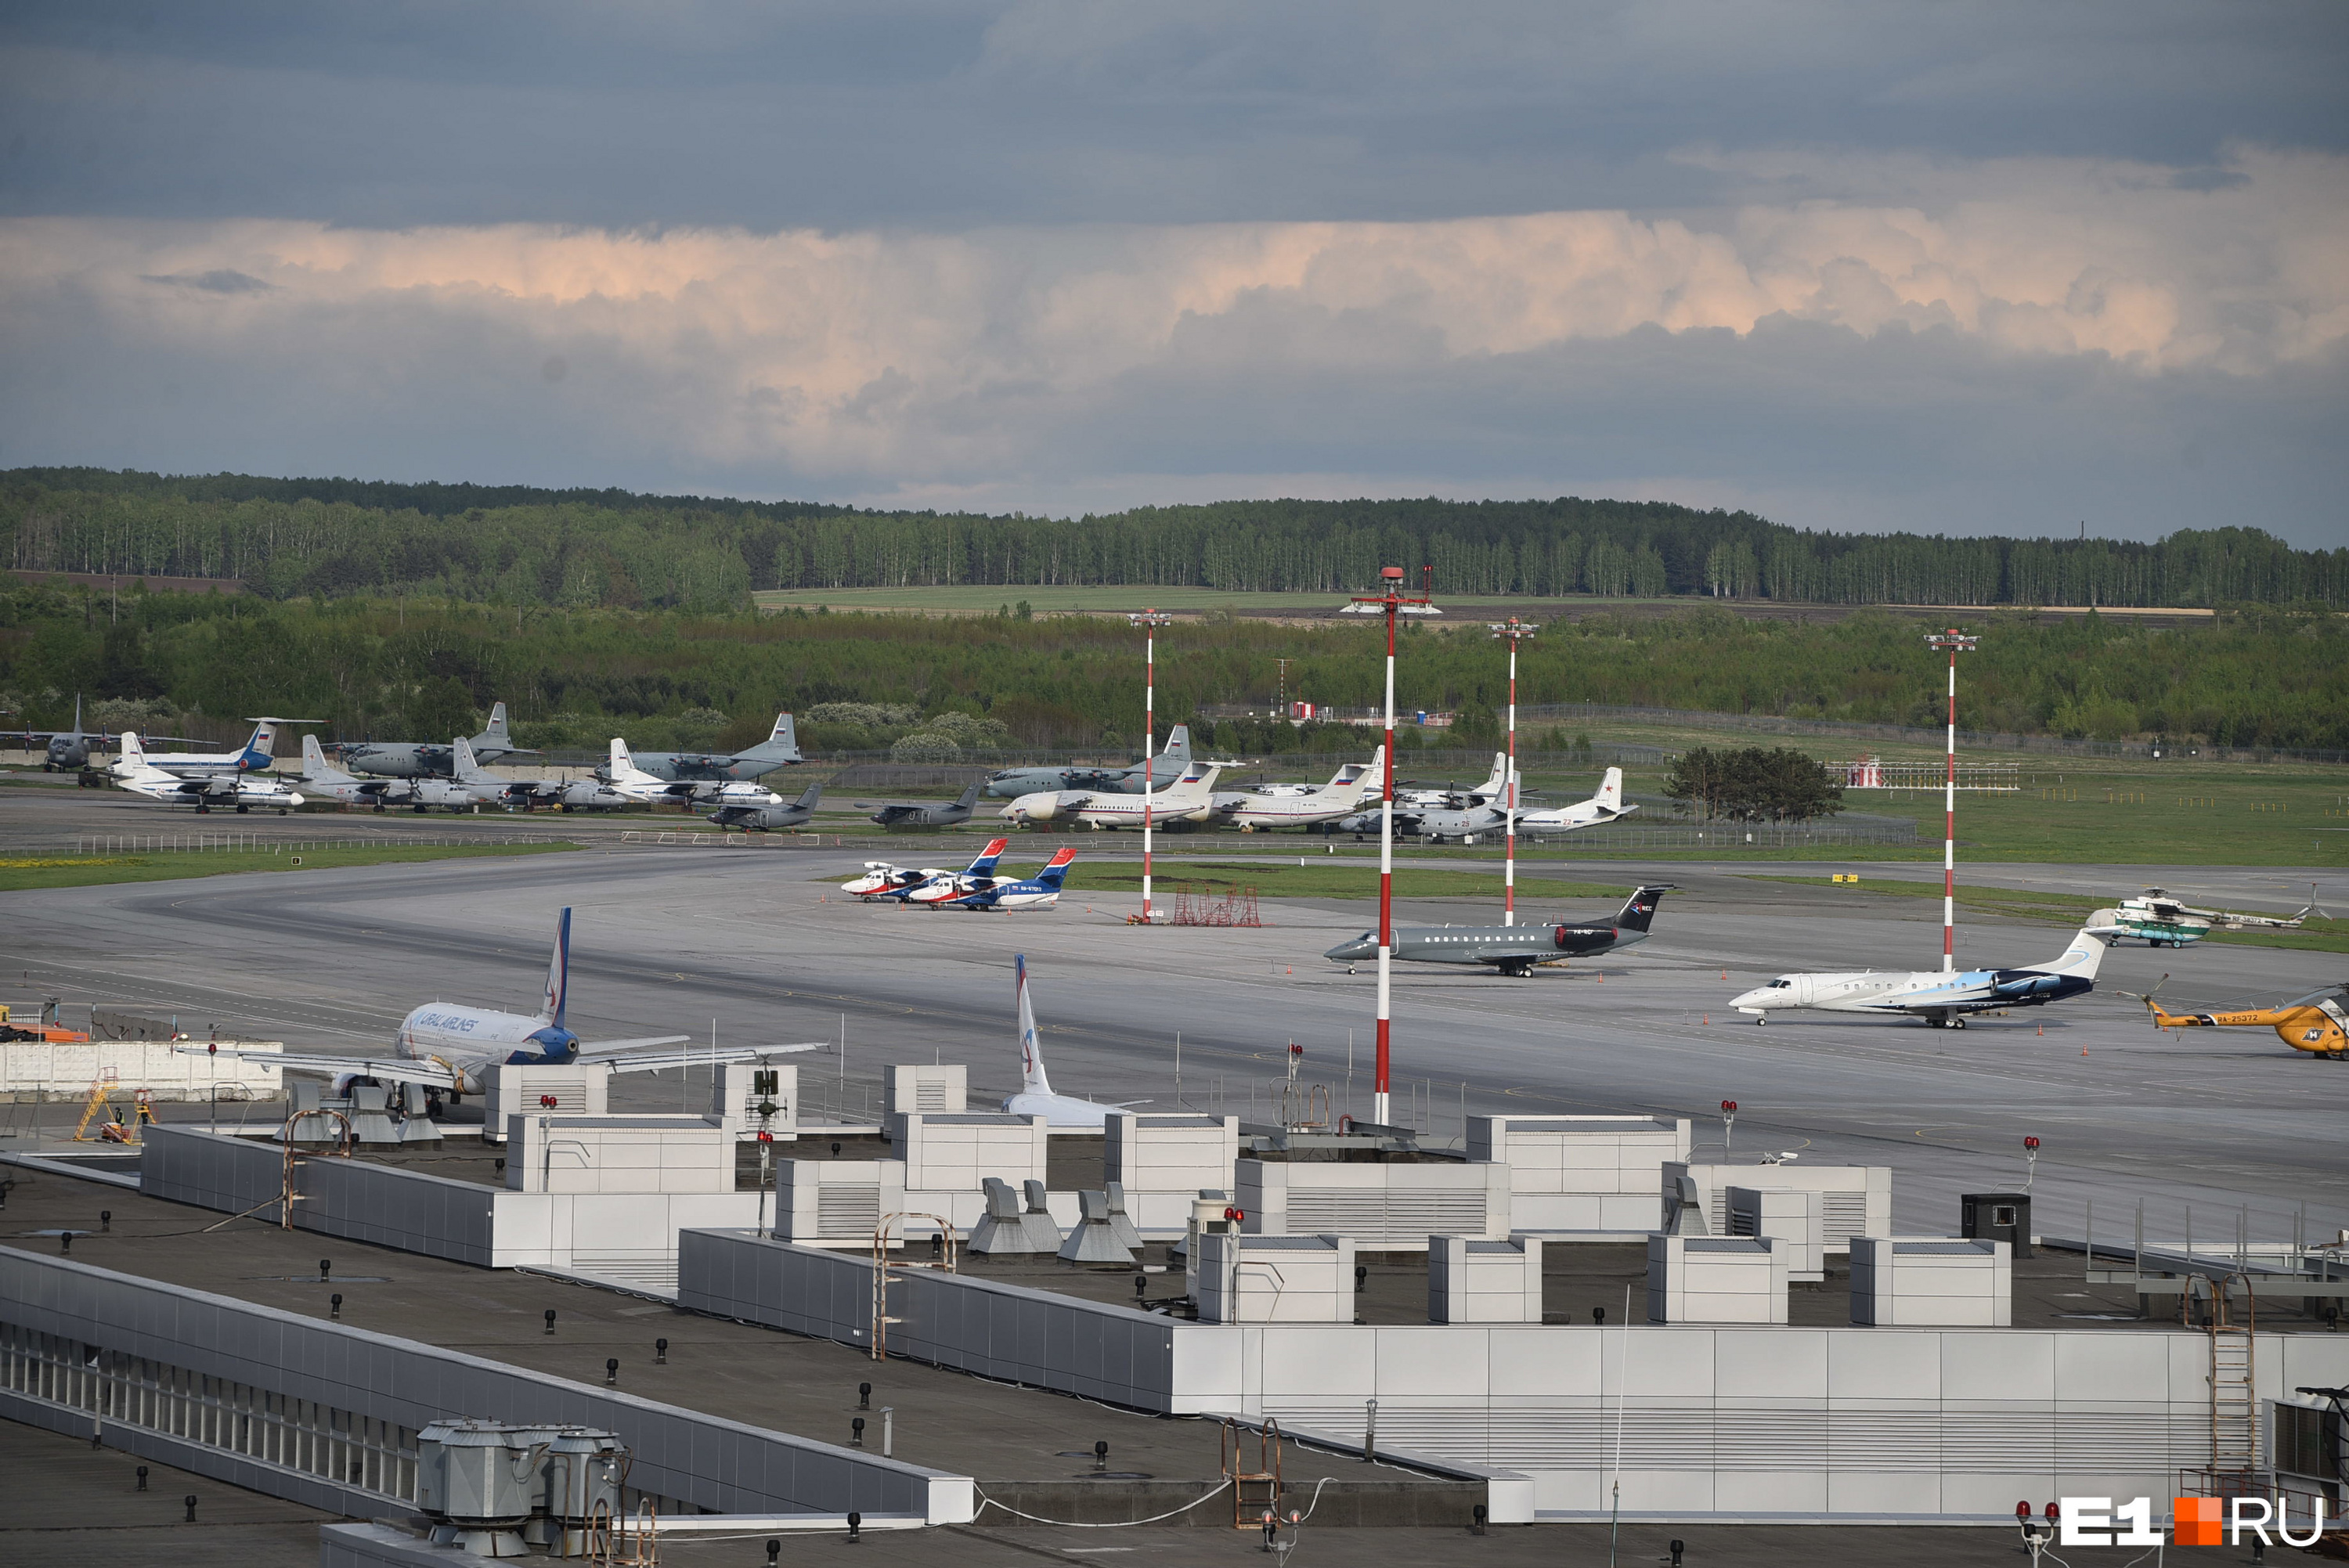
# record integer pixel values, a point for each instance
(2159, 920)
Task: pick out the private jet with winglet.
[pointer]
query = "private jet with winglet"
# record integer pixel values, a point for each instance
(1606, 806)
(1036, 1097)
(448, 1050)
(1190, 799)
(1042, 890)
(1341, 797)
(1171, 760)
(401, 760)
(1514, 950)
(935, 885)
(241, 791)
(626, 780)
(754, 819)
(947, 815)
(1942, 998)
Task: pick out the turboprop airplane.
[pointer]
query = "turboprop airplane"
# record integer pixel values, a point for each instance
(633, 783)
(253, 756)
(2317, 1023)
(417, 794)
(1604, 807)
(1036, 1097)
(939, 884)
(764, 819)
(1042, 890)
(450, 1048)
(1449, 798)
(399, 759)
(1345, 775)
(2159, 920)
(242, 790)
(942, 816)
(69, 750)
(1514, 950)
(564, 794)
(1338, 798)
(779, 750)
(1435, 826)
(1170, 762)
(1190, 799)
(881, 877)
(1941, 998)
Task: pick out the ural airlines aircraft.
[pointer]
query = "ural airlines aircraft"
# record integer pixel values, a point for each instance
(1189, 799)
(1042, 890)
(1941, 998)
(1036, 1097)
(1604, 807)
(253, 756)
(1341, 797)
(450, 1048)
(634, 783)
(242, 790)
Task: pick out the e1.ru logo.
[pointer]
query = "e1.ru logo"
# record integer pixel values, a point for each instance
(2196, 1522)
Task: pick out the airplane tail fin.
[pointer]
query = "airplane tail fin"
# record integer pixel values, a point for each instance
(314, 769)
(985, 865)
(780, 747)
(1178, 745)
(262, 749)
(493, 736)
(2081, 960)
(1057, 868)
(622, 765)
(1498, 778)
(1197, 784)
(134, 755)
(1610, 790)
(810, 796)
(465, 770)
(969, 797)
(1641, 907)
(558, 971)
(1031, 1056)
(1366, 783)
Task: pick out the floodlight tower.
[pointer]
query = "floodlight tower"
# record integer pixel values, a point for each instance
(1391, 602)
(1149, 621)
(1515, 631)
(1955, 642)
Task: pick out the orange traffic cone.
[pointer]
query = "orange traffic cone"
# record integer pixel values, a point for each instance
(2042, 1031)
(1725, 974)
(1708, 1017)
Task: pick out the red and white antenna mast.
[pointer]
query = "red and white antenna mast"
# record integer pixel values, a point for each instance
(1149, 621)
(1956, 643)
(1515, 631)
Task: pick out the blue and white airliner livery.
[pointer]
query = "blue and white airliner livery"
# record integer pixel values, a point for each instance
(1042, 890)
(1036, 1097)
(253, 756)
(449, 1047)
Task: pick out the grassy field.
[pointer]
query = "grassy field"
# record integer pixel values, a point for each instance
(2318, 936)
(23, 874)
(1100, 599)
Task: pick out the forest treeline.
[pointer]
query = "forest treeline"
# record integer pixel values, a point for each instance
(618, 549)
(387, 668)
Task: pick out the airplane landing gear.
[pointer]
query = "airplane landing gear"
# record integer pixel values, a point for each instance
(240, 810)
(1762, 1020)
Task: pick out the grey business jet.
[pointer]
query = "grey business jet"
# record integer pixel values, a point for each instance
(1513, 950)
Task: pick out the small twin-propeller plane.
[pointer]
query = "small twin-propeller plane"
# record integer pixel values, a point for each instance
(448, 1050)
(203, 791)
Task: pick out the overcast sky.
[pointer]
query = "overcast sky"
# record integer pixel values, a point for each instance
(1951, 268)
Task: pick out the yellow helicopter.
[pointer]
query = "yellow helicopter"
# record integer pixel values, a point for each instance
(2317, 1023)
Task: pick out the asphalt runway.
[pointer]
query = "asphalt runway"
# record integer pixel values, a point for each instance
(762, 947)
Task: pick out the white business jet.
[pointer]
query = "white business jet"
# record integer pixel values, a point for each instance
(451, 1049)
(1942, 998)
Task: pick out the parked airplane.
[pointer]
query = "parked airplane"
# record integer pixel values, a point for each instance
(765, 819)
(1514, 950)
(417, 794)
(254, 755)
(242, 790)
(1042, 890)
(2159, 920)
(1036, 1097)
(450, 1049)
(937, 882)
(881, 877)
(635, 784)
(1449, 798)
(69, 750)
(1345, 775)
(1466, 824)
(1338, 798)
(2317, 1023)
(1190, 799)
(779, 750)
(1171, 760)
(1941, 998)
(399, 759)
(564, 794)
(942, 816)
(1604, 807)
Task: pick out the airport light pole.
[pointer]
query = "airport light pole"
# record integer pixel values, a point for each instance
(1515, 631)
(1149, 621)
(1390, 601)
(1956, 643)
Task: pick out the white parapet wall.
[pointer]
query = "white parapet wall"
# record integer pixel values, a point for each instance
(1384, 1207)
(1165, 1162)
(949, 1159)
(517, 1089)
(1937, 1282)
(1484, 1282)
(1581, 1172)
(1855, 1199)
(939, 1090)
(551, 1153)
(1275, 1279)
(1717, 1279)
(836, 1203)
(1789, 1217)
(36, 1069)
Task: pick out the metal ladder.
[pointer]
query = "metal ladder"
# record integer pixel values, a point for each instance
(2234, 1402)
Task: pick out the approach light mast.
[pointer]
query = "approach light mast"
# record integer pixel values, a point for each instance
(1956, 643)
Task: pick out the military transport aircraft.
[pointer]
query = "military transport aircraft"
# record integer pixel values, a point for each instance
(1169, 763)
(241, 791)
(1189, 799)
(1514, 950)
(564, 794)
(1942, 998)
(757, 819)
(69, 750)
(253, 756)
(449, 1048)
(1341, 796)
(629, 781)
(939, 816)
(399, 759)
(322, 777)
(779, 750)
(1604, 807)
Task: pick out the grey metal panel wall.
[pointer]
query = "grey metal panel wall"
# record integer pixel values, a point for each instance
(1108, 1352)
(232, 1174)
(378, 1204)
(703, 1459)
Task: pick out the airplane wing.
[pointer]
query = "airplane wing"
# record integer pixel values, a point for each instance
(400, 1069)
(588, 1051)
(657, 1061)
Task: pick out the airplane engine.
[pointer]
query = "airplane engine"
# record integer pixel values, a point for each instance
(345, 1082)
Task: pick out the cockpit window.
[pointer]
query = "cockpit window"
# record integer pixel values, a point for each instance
(1779, 984)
